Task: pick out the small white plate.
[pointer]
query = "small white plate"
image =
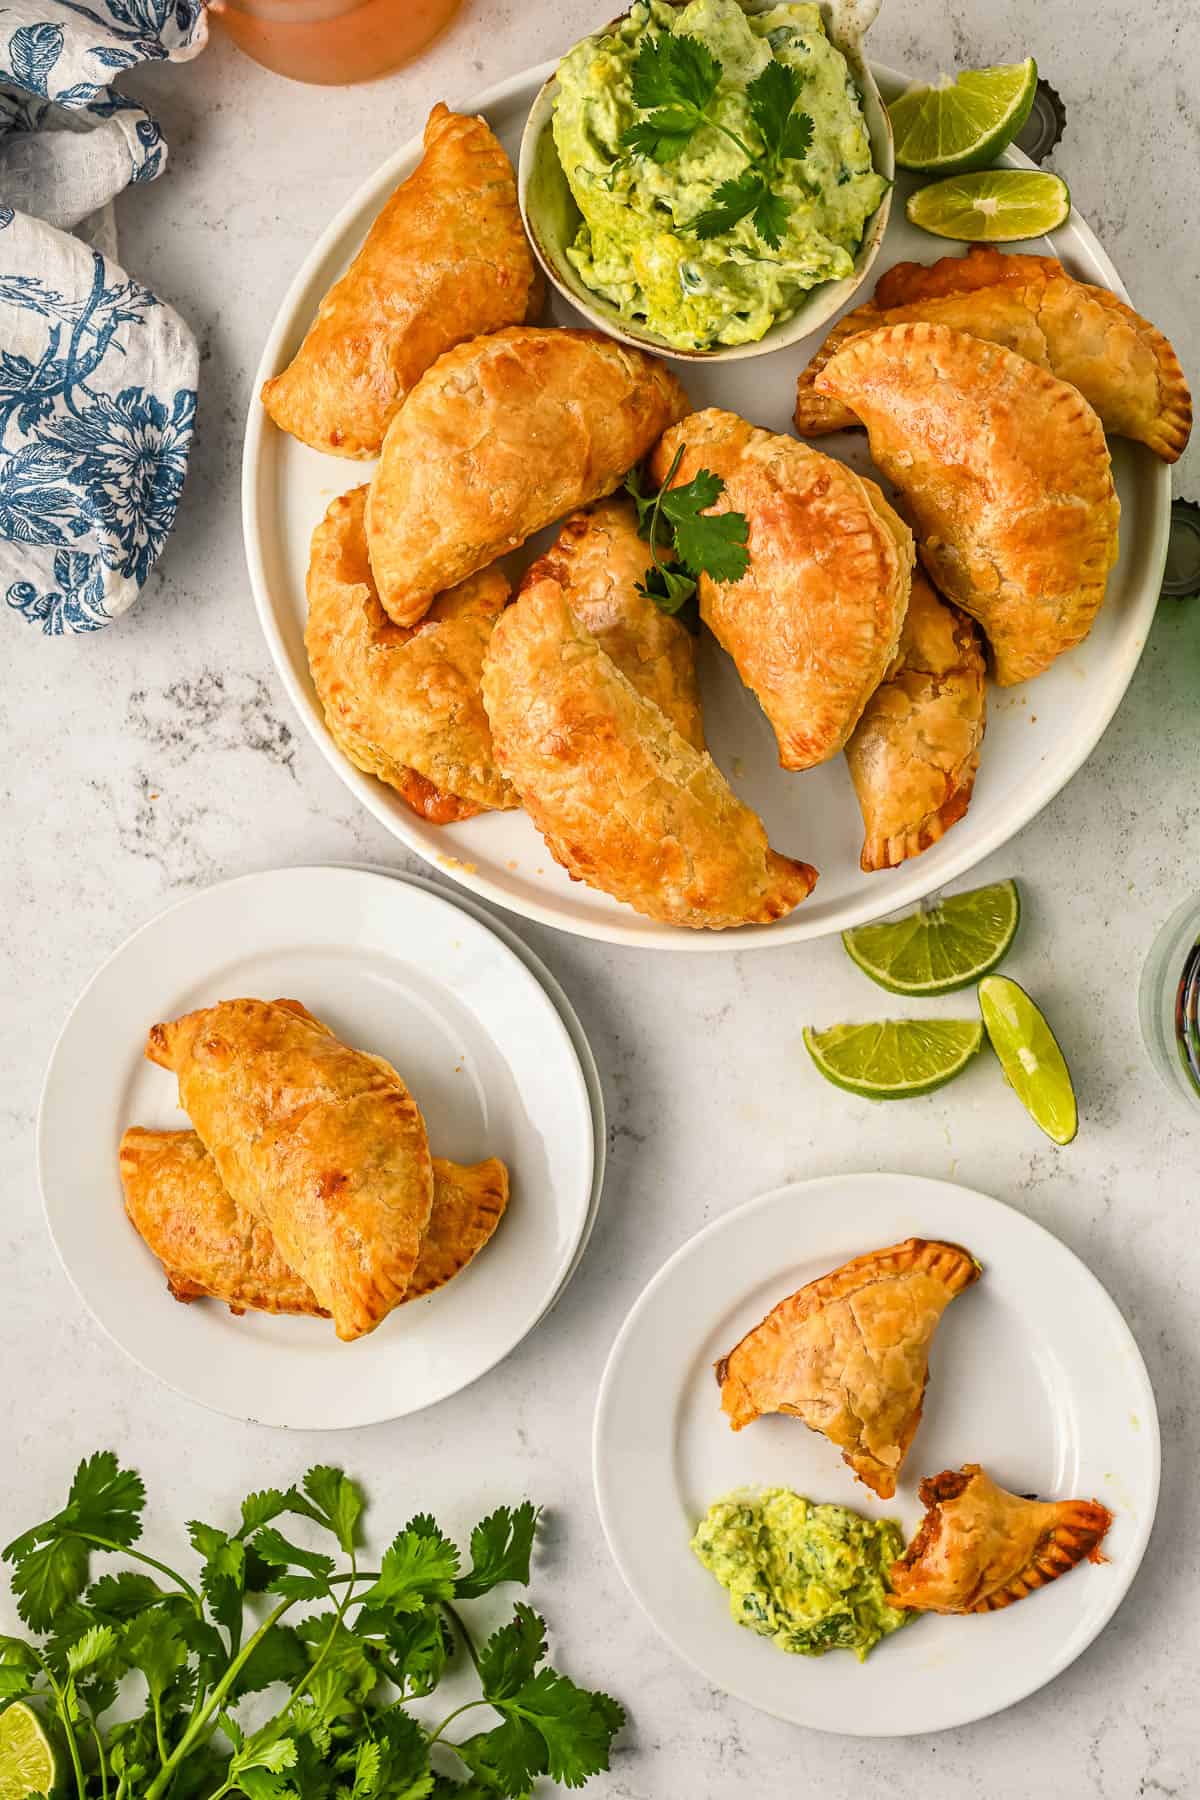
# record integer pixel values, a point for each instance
(1037, 735)
(392, 968)
(1034, 1374)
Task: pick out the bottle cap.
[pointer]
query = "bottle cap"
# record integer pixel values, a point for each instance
(1181, 577)
(1045, 125)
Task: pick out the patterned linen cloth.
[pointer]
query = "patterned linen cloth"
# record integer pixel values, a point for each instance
(97, 376)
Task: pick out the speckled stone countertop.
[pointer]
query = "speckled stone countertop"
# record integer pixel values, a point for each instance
(162, 755)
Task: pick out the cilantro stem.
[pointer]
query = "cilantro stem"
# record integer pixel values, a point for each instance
(656, 509)
(159, 1740)
(733, 137)
(460, 1625)
(338, 1616)
(101, 1758)
(456, 1714)
(152, 1562)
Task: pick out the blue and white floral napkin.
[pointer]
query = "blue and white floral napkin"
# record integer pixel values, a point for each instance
(97, 376)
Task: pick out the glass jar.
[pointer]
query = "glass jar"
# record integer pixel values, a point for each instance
(1169, 1002)
(333, 42)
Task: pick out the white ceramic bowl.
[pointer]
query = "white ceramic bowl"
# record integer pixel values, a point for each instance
(552, 217)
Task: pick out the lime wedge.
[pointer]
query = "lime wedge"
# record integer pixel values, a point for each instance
(894, 1059)
(964, 124)
(27, 1764)
(941, 947)
(1034, 1066)
(994, 206)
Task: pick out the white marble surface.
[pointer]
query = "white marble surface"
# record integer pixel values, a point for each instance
(162, 755)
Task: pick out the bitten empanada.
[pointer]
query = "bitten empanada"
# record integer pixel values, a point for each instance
(1005, 473)
(980, 1548)
(598, 559)
(814, 622)
(623, 801)
(849, 1354)
(324, 1144)
(1122, 365)
(914, 753)
(211, 1247)
(500, 437)
(445, 260)
(403, 702)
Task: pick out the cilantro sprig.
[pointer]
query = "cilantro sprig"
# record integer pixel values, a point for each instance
(176, 1655)
(674, 83)
(698, 542)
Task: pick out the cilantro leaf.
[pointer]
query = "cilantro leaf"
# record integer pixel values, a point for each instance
(715, 544)
(98, 1645)
(798, 135)
(508, 1759)
(278, 1656)
(771, 97)
(770, 218)
(420, 1565)
(154, 1643)
(501, 1546)
(14, 1682)
(260, 1508)
(120, 1596)
(48, 1579)
(681, 504)
(663, 135)
(674, 70)
(577, 1727)
(413, 1647)
(669, 586)
(729, 203)
(223, 1577)
(274, 1548)
(393, 1760)
(334, 1501)
(511, 1655)
(105, 1500)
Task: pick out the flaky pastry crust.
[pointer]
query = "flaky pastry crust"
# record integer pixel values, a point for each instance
(980, 1548)
(500, 437)
(914, 753)
(445, 260)
(403, 702)
(814, 622)
(1122, 365)
(1006, 476)
(623, 801)
(849, 1354)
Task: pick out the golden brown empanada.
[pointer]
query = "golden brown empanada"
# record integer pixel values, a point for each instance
(814, 622)
(1005, 473)
(623, 801)
(502, 436)
(980, 1548)
(322, 1143)
(598, 559)
(1122, 365)
(849, 1354)
(210, 1246)
(445, 260)
(914, 753)
(403, 702)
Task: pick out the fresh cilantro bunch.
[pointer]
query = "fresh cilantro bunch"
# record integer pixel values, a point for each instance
(675, 82)
(189, 1653)
(698, 543)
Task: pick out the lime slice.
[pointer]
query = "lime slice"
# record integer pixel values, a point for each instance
(994, 206)
(964, 124)
(27, 1764)
(894, 1059)
(941, 947)
(1034, 1066)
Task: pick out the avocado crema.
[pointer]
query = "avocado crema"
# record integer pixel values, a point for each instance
(633, 246)
(810, 1577)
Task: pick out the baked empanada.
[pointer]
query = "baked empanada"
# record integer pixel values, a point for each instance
(814, 622)
(403, 702)
(914, 753)
(1005, 473)
(324, 1144)
(1122, 365)
(598, 559)
(210, 1246)
(849, 1354)
(445, 260)
(502, 436)
(980, 1548)
(623, 801)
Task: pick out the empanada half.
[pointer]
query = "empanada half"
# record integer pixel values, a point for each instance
(1122, 365)
(445, 260)
(623, 801)
(814, 622)
(403, 702)
(849, 1354)
(1005, 474)
(980, 1548)
(913, 754)
(598, 559)
(499, 438)
(321, 1143)
(210, 1246)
